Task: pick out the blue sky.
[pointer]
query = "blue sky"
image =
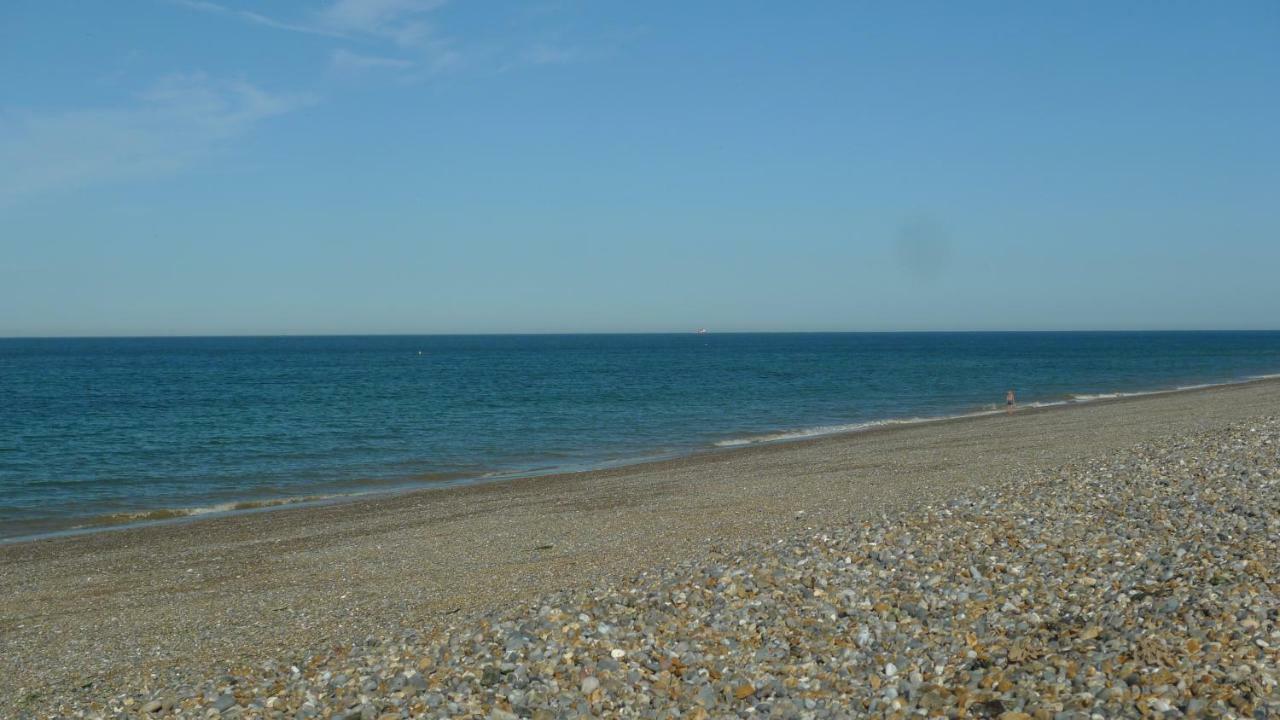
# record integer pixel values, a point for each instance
(388, 166)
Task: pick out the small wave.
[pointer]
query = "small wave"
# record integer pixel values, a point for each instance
(1090, 397)
(1042, 404)
(1075, 398)
(142, 516)
(824, 430)
(1180, 388)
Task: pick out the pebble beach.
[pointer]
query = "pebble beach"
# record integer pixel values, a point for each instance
(1129, 573)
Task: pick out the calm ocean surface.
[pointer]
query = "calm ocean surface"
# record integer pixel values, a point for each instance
(96, 431)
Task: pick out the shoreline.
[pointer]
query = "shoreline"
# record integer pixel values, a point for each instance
(87, 615)
(160, 516)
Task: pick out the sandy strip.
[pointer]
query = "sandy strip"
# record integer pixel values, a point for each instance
(82, 615)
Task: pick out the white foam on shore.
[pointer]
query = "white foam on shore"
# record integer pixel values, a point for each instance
(1088, 397)
(141, 516)
(822, 430)
(1073, 399)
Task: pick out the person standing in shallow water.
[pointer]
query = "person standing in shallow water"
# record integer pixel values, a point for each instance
(1009, 402)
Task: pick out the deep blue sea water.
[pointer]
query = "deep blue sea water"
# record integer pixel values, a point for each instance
(104, 430)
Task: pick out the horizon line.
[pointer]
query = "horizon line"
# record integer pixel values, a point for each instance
(561, 333)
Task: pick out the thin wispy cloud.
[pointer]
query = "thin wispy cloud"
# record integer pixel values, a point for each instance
(174, 122)
(403, 23)
(183, 118)
(404, 26)
(254, 18)
(400, 21)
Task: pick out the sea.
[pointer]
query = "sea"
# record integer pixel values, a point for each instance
(105, 432)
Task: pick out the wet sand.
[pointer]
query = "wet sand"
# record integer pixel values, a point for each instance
(81, 616)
